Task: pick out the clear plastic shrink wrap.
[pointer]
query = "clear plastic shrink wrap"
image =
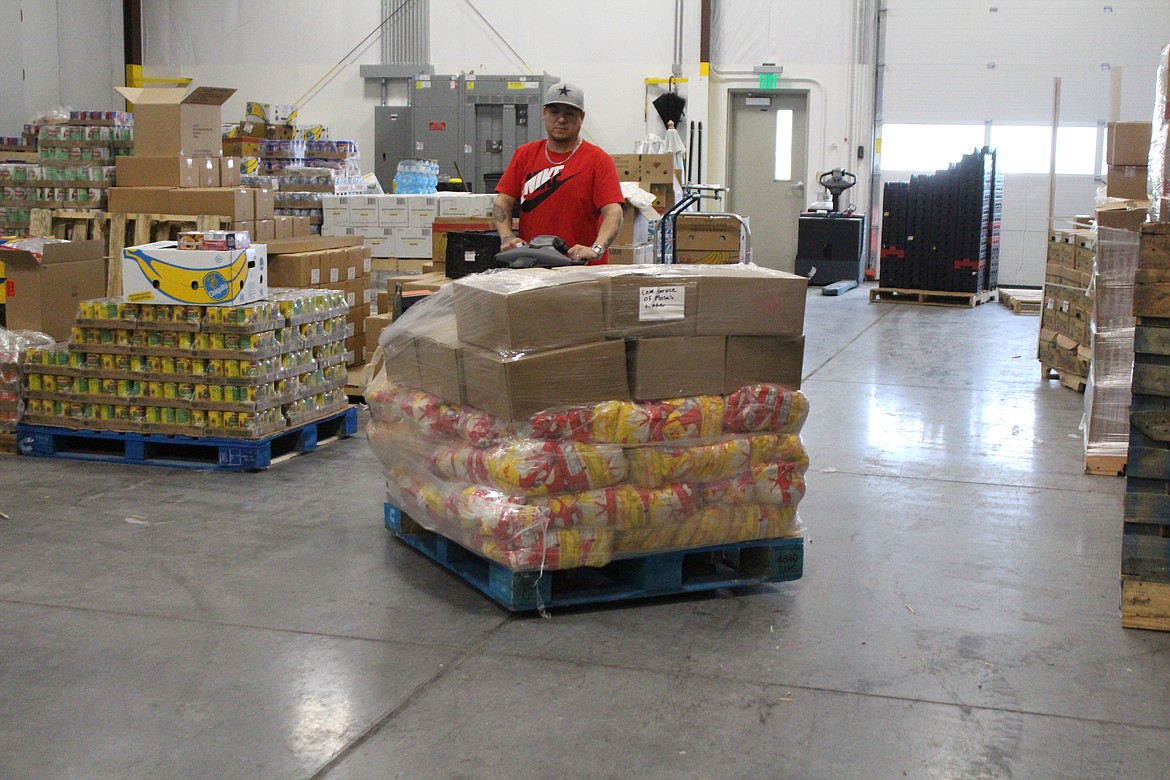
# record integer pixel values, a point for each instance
(1158, 181)
(509, 417)
(13, 345)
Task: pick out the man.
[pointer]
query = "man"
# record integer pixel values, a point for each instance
(566, 186)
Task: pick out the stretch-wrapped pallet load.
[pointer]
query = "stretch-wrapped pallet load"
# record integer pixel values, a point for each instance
(1107, 391)
(1159, 162)
(551, 419)
(13, 345)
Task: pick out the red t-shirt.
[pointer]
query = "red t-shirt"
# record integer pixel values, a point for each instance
(561, 198)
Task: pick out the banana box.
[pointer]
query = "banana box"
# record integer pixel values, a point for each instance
(163, 273)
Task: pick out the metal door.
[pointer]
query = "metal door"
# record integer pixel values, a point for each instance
(767, 161)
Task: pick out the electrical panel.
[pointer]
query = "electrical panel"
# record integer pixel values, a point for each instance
(437, 130)
(499, 114)
(470, 124)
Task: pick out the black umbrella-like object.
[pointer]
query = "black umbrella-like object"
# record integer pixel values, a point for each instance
(670, 105)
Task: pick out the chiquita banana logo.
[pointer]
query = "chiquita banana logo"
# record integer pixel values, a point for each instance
(192, 285)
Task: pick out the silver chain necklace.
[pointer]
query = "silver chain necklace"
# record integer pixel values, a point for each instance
(562, 162)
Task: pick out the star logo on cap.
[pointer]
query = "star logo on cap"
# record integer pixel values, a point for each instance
(564, 90)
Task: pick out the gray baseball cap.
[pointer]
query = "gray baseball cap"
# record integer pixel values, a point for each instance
(565, 93)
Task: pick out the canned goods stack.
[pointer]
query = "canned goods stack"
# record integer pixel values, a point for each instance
(19, 183)
(222, 371)
(77, 159)
(13, 345)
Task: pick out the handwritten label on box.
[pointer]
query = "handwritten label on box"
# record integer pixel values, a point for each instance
(657, 304)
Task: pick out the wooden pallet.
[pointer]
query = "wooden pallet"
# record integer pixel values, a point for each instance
(193, 452)
(1145, 604)
(1105, 465)
(672, 572)
(1072, 381)
(1022, 301)
(118, 231)
(930, 297)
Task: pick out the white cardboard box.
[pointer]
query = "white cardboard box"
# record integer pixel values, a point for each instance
(163, 273)
(412, 242)
(392, 211)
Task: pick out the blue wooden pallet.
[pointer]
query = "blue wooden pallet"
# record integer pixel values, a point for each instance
(657, 574)
(192, 452)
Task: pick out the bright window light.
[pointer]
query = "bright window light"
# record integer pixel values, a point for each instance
(783, 145)
(925, 148)
(1026, 149)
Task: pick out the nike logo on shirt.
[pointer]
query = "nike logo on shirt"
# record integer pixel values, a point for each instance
(541, 186)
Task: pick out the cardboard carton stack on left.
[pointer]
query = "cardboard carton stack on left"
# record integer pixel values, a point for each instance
(178, 165)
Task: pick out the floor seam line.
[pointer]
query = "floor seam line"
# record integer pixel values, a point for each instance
(222, 624)
(377, 726)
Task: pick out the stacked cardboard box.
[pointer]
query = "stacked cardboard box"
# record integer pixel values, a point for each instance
(1107, 393)
(707, 240)
(224, 371)
(663, 414)
(1145, 546)
(47, 278)
(336, 263)
(399, 226)
(178, 166)
(654, 173)
(1127, 153)
(1065, 317)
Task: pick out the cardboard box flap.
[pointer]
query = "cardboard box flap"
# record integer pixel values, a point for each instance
(209, 96)
(173, 96)
(60, 252)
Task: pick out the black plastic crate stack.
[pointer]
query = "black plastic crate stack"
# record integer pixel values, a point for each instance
(991, 277)
(1145, 543)
(951, 223)
(895, 205)
(973, 175)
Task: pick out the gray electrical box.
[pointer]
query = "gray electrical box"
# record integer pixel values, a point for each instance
(437, 131)
(392, 141)
(499, 114)
(470, 124)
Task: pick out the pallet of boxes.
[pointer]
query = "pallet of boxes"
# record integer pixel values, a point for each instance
(1145, 544)
(1063, 347)
(648, 444)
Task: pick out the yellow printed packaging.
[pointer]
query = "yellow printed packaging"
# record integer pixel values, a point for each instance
(122, 337)
(201, 340)
(214, 419)
(217, 341)
(201, 392)
(34, 382)
(215, 368)
(231, 367)
(168, 364)
(170, 390)
(138, 413)
(182, 365)
(198, 366)
(198, 418)
(49, 383)
(186, 391)
(215, 314)
(184, 339)
(215, 393)
(153, 415)
(76, 359)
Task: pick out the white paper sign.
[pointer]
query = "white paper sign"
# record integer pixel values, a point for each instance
(656, 304)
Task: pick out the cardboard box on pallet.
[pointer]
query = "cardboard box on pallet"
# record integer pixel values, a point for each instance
(642, 301)
(1126, 181)
(526, 310)
(1128, 143)
(737, 300)
(675, 366)
(140, 200)
(439, 353)
(167, 171)
(160, 272)
(763, 359)
(299, 269)
(513, 386)
(236, 203)
(373, 327)
(42, 292)
(169, 121)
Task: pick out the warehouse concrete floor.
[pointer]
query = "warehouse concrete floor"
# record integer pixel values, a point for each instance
(958, 616)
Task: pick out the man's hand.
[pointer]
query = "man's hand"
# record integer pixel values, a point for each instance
(581, 252)
(510, 243)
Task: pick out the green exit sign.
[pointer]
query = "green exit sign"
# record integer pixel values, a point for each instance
(769, 80)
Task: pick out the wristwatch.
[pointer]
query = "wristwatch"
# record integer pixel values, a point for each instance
(599, 249)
